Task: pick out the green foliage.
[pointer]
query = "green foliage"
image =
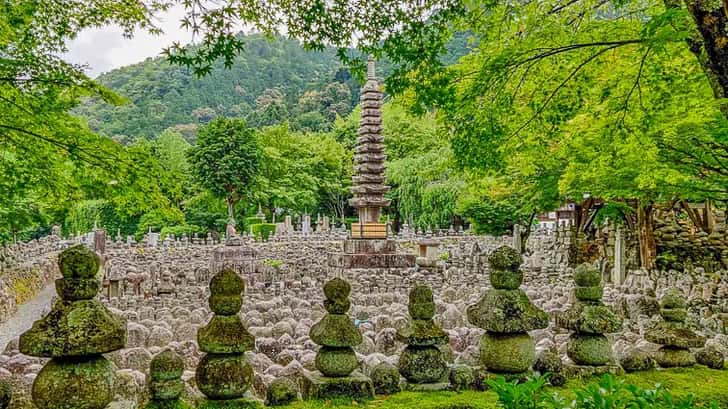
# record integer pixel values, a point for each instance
(159, 219)
(249, 221)
(262, 231)
(273, 263)
(187, 229)
(515, 395)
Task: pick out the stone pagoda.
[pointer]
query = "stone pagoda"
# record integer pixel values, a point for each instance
(336, 360)
(224, 374)
(368, 246)
(421, 362)
(674, 334)
(506, 314)
(75, 334)
(165, 381)
(590, 319)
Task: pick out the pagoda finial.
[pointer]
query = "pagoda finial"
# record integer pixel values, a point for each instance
(371, 68)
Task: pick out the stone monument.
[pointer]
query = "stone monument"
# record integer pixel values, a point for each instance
(590, 319)
(336, 360)
(224, 374)
(421, 362)
(674, 334)
(368, 246)
(506, 314)
(75, 334)
(165, 381)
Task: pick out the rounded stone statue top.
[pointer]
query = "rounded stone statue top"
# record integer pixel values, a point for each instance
(337, 293)
(421, 303)
(504, 264)
(226, 289)
(673, 307)
(587, 276)
(166, 366)
(78, 262)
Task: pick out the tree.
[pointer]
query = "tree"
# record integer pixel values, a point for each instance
(226, 160)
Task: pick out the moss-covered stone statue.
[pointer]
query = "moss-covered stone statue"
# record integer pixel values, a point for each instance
(506, 314)
(673, 333)
(75, 334)
(224, 374)
(421, 361)
(590, 319)
(336, 360)
(165, 381)
(6, 394)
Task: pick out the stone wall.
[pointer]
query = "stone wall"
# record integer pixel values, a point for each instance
(682, 247)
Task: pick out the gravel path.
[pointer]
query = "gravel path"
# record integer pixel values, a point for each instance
(26, 314)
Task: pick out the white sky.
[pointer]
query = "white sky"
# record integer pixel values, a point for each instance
(104, 49)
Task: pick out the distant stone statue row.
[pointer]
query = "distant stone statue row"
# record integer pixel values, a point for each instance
(79, 329)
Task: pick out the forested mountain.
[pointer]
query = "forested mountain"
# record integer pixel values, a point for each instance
(273, 80)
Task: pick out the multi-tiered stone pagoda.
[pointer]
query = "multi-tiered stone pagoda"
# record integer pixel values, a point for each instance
(368, 246)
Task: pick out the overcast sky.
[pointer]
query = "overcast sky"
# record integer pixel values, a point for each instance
(106, 48)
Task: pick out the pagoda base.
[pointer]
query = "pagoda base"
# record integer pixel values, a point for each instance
(355, 386)
(371, 253)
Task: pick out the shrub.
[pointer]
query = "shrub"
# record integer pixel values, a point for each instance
(250, 221)
(262, 231)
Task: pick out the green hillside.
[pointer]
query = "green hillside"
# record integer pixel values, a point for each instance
(273, 80)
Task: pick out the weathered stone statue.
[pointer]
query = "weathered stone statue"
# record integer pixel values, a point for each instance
(166, 385)
(224, 373)
(590, 319)
(336, 359)
(673, 333)
(506, 314)
(75, 334)
(6, 394)
(421, 361)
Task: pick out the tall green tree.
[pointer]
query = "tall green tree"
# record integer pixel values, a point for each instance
(226, 160)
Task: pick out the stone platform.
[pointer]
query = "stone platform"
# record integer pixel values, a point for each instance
(572, 370)
(355, 386)
(370, 253)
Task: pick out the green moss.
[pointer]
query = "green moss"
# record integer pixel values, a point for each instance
(86, 383)
(674, 314)
(336, 362)
(503, 353)
(506, 279)
(244, 403)
(671, 357)
(227, 282)
(587, 276)
(224, 376)
(385, 378)
(166, 365)
(421, 303)
(168, 404)
(6, 394)
(167, 390)
(263, 231)
(78, 262)
(673, 299)
(422, 333)
(711, 357)
(335, 330)
(337, 289)
(281, 391)
(589, 293)
(507, 311)
(422, 364)
(225, 334)
(593, 350)
(73, 289)
(505, 258)
(637, 360)
(337, 306)
(461, 377)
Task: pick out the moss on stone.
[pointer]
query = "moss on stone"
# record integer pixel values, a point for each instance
(166, 365)
(385, 378)
(506, 279)
(422, 364)
(673, 299)
(711, 357)
(592, 349)
(74, 328)
(589, 293)
(421, 303)
(674, 314)
(507, 353)
(337, 306)
(422, 333)
(224, 376)
(548, 362)
(6, 394)
(282, 391)
(461, 377)
(335, 330)
(225, 334)
(587, 276)
(505, 258)
(78, 262)
(226, 289)
(168, 404)
(336, 362)
(637, 360)
(337, 289)
(671, 357)
(507, 311)
(674, 334)
(167, 390)
(75, 383)
(73, 289)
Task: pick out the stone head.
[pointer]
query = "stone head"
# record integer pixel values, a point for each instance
(505, 273)
(226, 289)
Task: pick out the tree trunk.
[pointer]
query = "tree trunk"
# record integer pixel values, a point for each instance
(526, 233)
(231, 211)
(646, 236)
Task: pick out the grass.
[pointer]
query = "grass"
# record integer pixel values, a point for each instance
(703, 383)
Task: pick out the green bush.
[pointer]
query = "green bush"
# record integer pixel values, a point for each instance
(250, 221)
(262, 231)
(188, 229)
(158, 220)
(86, 213)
